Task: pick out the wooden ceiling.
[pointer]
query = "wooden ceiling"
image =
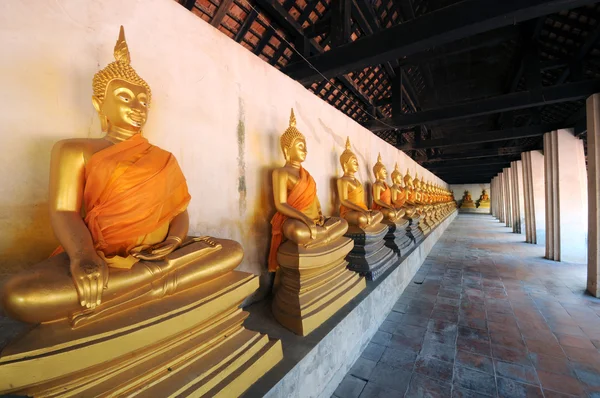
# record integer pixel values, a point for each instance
(463, 87)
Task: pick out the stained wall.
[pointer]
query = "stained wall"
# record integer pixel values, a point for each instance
(216, 106)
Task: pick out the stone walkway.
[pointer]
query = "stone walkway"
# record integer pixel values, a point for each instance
(486, 315)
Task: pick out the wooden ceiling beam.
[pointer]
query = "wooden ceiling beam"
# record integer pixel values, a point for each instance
(221, 12)
(464, 19)
(502, 103)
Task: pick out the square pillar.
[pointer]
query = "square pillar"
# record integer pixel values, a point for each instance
(518, 200)
(493, 196)
(534, 197)
(566, 197)
(593, 148)
(508, 218)
(501, 197)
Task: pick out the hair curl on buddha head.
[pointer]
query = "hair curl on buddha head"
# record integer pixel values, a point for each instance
(347, 154)
(378, 166)
(119, 69)
(290, 135)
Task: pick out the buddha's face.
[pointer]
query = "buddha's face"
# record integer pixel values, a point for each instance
(125, 105)
(397, 179)
(382, 175)
(351, 165)
(297, 151)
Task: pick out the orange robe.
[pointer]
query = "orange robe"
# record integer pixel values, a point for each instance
(385, 197)
(132, 192)
(357, 197)
(301, 197)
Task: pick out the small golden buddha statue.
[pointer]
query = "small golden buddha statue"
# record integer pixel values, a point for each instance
(352, 194)
(410, 194)
(382, 193)
(118, 206)
(484, 200)
(299, 217)
(398, 192)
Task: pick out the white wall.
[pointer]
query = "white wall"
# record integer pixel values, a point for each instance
(216, 106)
(474, 190)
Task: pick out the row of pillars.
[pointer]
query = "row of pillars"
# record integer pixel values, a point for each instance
(546, 194)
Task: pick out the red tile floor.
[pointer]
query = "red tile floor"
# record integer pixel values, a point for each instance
(486, 315)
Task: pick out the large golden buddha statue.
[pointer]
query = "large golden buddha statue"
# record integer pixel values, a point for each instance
(352, 194)
(484, 200)
(467, 201)
(382, 194)
(314, 250)
(127, 284)
(118, 208)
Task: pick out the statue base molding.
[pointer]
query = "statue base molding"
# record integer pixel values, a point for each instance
(192, 343)
(370, 256)
(397, 238)
(314, 284)
(484, 205)
(413, 231)
(467, 205)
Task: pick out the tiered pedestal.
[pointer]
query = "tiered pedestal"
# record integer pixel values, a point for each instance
(423, 226)
(314, 284)
(190, 344)
(484, 204)
(467, 205)
(397, 237)
(370, 256)
(412, 230)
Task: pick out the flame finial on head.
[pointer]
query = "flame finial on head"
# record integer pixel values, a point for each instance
(119, 69)
(291, 134)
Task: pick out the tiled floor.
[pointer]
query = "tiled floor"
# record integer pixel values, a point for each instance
(485, 316)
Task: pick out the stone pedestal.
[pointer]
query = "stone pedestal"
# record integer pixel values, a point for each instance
(370, 256)
(412, 230)
(314, 284)
(190, 344)
(423, 226)
(397, 238)
(534, 197)
(566, 197)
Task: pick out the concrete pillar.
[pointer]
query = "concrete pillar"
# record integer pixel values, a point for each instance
(534, 197)
(493, 195)
(566, 197)
(501, 197)
(593, 152)
(518, 200)
(508, 219)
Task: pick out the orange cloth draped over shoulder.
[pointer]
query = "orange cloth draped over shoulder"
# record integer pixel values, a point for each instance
(385, 197)
(301, 197)
(357, 196)
(132, 192)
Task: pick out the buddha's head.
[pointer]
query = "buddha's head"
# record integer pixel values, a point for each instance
(397, 176)
(417, 182)
(379, 169)
(348, 159)
(121, 97)
(293, 142)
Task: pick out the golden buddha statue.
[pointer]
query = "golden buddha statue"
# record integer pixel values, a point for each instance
(467, 201)
(118, 208)
(352, 194)
(299, 217)
(410, 194)
(127, 283)
(398, 192)
(382, 194)
(484, 200)
(315, 248)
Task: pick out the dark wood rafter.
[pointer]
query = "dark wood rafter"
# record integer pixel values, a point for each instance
(221, 12)
(520, 100)
(449, 24)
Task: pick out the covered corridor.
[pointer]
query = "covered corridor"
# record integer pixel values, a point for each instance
(486, 315)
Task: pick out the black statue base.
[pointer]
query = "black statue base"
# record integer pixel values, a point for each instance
(370, 256)
(397, 237)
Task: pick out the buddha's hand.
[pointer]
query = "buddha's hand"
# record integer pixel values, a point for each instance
(90, 276)
(157, 251)
(369, 217)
